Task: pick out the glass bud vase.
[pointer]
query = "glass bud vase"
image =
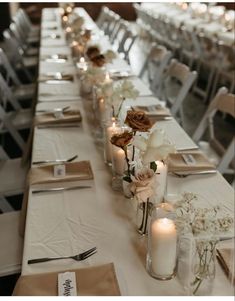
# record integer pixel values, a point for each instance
(161, 258)
(203, 266)
(143, 216)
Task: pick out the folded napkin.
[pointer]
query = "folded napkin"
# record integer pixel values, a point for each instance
(225, 259)
(93, 281)
(198, 162)
(154, 110)
(50, 118)
(75, 171)
(46, 77)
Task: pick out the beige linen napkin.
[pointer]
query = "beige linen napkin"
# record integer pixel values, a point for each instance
(154, 110)
(176, 163)
(44, 174)
(46, 77)
(93, 281)
(49, 118)
(224, 257)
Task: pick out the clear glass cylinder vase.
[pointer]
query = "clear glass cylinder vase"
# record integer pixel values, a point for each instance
(162, 251)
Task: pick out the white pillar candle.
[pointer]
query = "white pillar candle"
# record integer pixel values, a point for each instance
(107, 80)
(118, 156)
(108, 145)
(163, 247)
(161, 179)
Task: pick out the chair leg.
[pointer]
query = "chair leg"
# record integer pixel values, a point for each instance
(4, 205)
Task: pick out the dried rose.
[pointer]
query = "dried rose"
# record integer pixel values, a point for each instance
(138, 121)
(142, 184)
(92, 51)
(98, 60)
(121, 140)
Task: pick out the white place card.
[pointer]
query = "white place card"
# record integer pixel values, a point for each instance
(59, 170)
(67, 285)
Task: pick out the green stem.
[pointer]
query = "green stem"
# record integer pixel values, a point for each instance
(119, 109)
(127, 161)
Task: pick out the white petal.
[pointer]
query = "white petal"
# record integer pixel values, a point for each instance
(156, 138)
(139, 142)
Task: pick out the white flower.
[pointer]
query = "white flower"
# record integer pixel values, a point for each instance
(155, 148)
(128, 90)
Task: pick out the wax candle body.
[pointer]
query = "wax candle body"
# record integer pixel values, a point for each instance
(101, 107)
(108, 145)
(161, 179)
(118, 160)
(163, 247)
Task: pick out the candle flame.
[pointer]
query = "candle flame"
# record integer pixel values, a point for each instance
(65, 18)
(107, 77)
(82, 60)
(68, 29)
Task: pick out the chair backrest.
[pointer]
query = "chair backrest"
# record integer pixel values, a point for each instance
(14, 51)
(155, 65)
(223, 102)
(102, 17)
(183, 78)
(6, 122)
(10, 74)
(17, 35)
(6, 95)
(126, 43)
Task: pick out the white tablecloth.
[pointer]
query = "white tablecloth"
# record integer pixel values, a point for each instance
(72, 221)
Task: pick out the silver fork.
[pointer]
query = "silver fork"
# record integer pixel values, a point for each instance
(78, 257)
(56, 160)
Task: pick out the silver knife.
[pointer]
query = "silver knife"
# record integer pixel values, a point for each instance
(60, 189)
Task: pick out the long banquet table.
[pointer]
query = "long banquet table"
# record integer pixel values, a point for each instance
(69, 222)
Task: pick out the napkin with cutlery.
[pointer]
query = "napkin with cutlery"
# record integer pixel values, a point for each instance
(58, 117)
(225, 256)
(74, 171)
(93, 281)
(154, 112)
(52, 77)
(189, 162)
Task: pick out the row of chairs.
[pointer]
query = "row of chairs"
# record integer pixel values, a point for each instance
(119, 31)
(211, 58)
(18, 60)
(171, 81)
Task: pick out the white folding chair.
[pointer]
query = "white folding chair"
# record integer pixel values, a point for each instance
(175, 86)
(33, 30)
(223, 102)
(126, 43)
(13, 176)
(206, 66)
(11, 250)
(29, 50)
(16, 56)
(21, 91)
(102, 17)
(224, 69)
(155, 65)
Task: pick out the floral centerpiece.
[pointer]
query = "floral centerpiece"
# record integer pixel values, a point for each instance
(97, 58)
(205, 225)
